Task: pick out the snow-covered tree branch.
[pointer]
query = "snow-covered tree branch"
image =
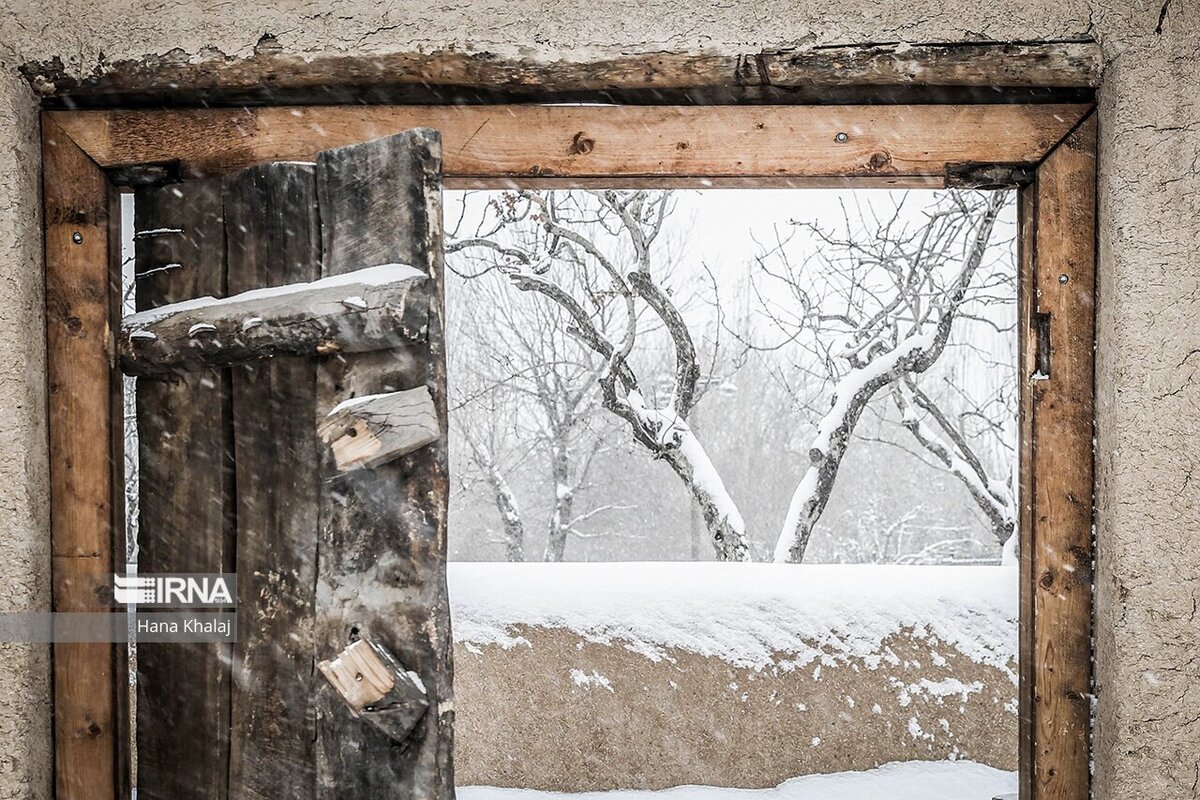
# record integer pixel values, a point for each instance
(872, 331)
(525, 392)
(993, 496)
(592, 254)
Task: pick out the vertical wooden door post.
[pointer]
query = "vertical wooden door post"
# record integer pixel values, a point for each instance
(1058, 300)
(82, 306)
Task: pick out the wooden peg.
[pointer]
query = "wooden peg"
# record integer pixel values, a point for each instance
(376, 688)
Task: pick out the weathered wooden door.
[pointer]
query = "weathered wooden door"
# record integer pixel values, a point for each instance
(296, 437)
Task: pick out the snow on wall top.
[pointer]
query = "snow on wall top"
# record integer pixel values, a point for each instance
(911, 780)
(750, 615)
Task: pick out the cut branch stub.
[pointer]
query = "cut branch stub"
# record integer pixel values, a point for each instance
(377, 689)
(376, 308)
(375, 429)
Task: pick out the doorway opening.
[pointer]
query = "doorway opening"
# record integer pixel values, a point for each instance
(1046, 152)
(762, 444)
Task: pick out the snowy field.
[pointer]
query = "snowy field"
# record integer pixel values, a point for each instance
(750, 615)
(913, 780)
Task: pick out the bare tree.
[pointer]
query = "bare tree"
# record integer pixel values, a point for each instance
(592, 256)
(949, 444)
(869, 312)
(522, 350)
(485, 444)
(888, 536)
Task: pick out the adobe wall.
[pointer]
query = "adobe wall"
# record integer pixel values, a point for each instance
(561, 713)
(1148, 729)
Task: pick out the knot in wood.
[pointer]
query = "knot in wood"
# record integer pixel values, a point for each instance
(879, 160)
(581, 145)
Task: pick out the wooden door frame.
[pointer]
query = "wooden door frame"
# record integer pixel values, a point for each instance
(1047, 150)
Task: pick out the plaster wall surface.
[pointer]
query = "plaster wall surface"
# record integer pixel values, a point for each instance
(1148, 379)
(560, 713)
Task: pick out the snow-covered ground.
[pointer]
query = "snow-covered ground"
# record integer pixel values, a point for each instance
(750, 615)
(912, 780)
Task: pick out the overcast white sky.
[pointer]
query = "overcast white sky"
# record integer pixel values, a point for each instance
(728, 220)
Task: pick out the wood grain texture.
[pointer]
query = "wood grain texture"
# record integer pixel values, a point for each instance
(376, 689)
(307, 320)
(376, 429)
(359, 675)
(381, 571)
(1026, 367)
(493, 145)
(186, 513)
(79, 313)
(1060, 540)
(967, 64)
(824, 74)
(273, 238)
(124, 687)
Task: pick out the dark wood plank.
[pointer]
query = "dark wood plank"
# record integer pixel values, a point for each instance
(904, 144)
(381, 571)
(186, 517)
(818, 72)
(982, 64)
(1061, 542)
(124, 688)
(273, 238)
(78, 246)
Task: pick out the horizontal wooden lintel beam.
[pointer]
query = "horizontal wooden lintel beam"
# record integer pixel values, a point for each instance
(510, 145)
(824, 73)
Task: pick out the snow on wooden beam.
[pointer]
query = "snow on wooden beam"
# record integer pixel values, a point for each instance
(375, 429)
(369, 309)
(376, 688)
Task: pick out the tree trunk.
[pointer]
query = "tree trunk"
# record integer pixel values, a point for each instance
(505, 499)
(855, 390)
(724, 522)
(564, 502)
(696, 525)
(664, 433)
(510, 515)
